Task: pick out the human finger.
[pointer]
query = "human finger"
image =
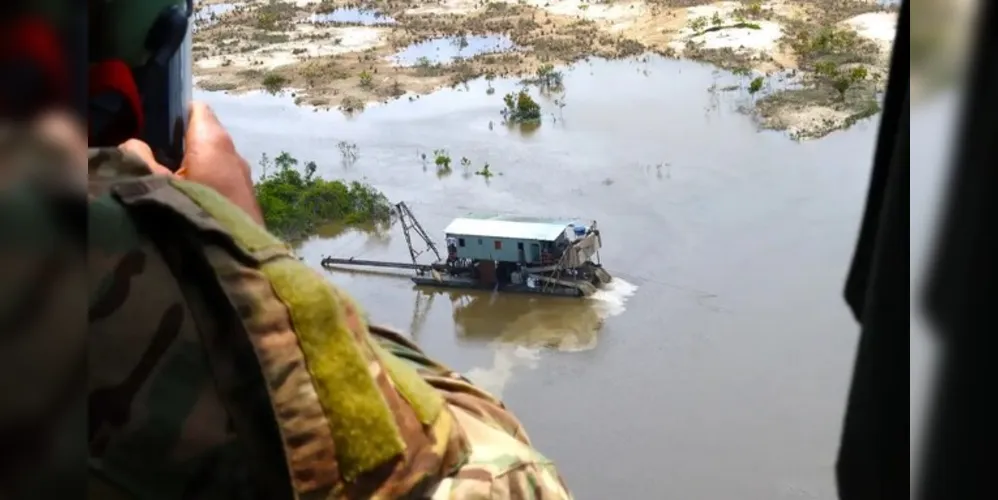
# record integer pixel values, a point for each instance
(144, 152)
(204, 130)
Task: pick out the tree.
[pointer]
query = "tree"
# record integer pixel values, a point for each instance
(295, 205)
(839, 79)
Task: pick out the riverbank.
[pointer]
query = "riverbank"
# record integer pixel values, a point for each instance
(812, 66)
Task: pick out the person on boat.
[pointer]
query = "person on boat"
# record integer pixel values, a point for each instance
(451, 250)
(220, 366)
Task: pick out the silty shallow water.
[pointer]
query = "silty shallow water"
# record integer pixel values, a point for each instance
(448, 49)
(352, 15)
(717, 365)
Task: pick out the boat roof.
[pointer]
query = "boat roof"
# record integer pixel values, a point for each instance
(510, 227)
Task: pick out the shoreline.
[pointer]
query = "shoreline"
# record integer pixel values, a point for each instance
(835, 52)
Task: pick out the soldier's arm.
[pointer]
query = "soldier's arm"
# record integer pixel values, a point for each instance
(42, 311)
(344, 409)
(502, 463)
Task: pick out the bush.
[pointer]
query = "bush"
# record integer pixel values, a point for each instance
(521, 108)
(274, 82)
(274, 16)
(366, 79)
(840, 79)
(294, 204)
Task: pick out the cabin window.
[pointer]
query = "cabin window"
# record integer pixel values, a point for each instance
(460, 242)
(479, 242)
(519, 245)
(498, 244)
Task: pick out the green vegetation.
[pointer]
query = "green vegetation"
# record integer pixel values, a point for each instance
(829, 44)
(366, 79)
(426, 67)
(840, 79)
(547, 78)
(485, 172)
(755, 85)
(295, 205)
(521, 108)
(837, 66)
(351, 105)
(752, 10)
(274, 15)
(274, 82)
(701, 25)
(441, 158)
(698, 24)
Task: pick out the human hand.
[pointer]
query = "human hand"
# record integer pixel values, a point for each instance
(210, 158)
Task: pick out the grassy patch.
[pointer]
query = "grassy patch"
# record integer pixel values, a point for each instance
(318, 73)
(424, 66)
(725, 58)
(753, 10)
(295, 202)
(218, 86)
(268, 38)
(816, 45)
(351, 105)
(366, 80)
(250, 74)
(274, 15)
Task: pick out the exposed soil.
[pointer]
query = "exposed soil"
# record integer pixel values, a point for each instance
(278, 44)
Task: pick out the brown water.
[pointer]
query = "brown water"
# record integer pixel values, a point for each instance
(717, 366)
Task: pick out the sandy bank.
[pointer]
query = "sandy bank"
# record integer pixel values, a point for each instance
(264, 44)
(877, 26)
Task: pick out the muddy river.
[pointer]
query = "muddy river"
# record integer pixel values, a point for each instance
(717, 364)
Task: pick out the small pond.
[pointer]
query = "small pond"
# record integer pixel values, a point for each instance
(448, 49)
(364, 17)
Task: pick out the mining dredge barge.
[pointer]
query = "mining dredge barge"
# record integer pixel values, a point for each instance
(504, 254)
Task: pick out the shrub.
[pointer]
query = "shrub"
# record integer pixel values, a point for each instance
(521, 108)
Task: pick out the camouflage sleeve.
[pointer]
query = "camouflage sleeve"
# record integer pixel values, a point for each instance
(502, 463)
(157, 426)
(42, 318)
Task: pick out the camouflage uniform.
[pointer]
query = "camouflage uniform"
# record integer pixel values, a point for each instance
(42, 332)
(223, 367)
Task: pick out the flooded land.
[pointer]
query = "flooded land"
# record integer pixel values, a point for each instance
(813, 66)
(716, 365)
